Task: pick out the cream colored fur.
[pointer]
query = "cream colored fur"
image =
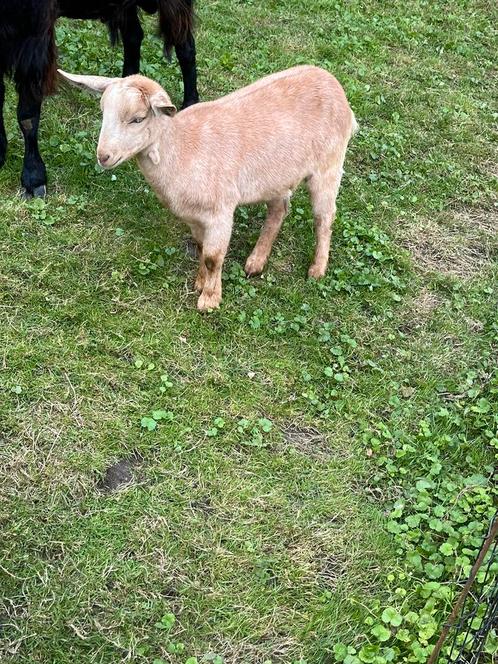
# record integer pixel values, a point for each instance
(254, 145)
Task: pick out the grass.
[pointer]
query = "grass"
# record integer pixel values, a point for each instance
(253, 513)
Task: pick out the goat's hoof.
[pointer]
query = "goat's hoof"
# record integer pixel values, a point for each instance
(208, 303)
(253, 267)
(316, 272)
(37, 192)
(40, 192)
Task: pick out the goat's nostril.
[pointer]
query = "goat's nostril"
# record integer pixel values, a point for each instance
(103, 158)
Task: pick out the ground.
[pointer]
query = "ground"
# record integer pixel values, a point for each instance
(222, 468)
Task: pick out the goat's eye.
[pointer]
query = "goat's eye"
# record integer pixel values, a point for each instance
(137, 120)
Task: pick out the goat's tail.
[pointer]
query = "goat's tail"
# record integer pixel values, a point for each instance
(176, 22)
(50, 84)
(354, 126)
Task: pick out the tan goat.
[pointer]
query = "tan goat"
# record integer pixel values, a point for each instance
(254, 145)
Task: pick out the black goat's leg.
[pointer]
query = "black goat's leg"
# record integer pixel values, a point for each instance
(34, 174)
(3, 135)
(186, 57)
(132, 35)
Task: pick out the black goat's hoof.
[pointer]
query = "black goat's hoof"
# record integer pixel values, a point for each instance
(40, 192)
(37, 192)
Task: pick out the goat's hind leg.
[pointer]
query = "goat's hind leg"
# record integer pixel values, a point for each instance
(132, 36)
(323, 188)
(277, 210)
(34, 174)
(187, 60)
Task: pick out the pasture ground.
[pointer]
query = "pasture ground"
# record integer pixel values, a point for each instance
(255, 446)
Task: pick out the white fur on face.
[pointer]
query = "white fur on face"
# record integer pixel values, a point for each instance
(121, 136)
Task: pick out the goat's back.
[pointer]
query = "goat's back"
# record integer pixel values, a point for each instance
(305, 93)
(273, 133)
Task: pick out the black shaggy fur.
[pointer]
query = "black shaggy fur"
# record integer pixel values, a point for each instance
(28, 55)
(27, 43)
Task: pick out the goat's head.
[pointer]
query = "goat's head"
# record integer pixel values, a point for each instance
(130, 107)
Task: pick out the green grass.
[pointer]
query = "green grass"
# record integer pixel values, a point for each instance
(266, 545)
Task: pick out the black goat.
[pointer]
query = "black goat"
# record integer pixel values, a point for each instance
(28, 54)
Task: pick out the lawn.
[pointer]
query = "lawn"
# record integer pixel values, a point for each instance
(260, 483)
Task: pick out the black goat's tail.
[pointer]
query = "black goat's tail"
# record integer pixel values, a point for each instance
(50, 82)
(176, 22)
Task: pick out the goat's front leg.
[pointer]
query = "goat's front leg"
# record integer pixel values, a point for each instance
(3, 135)
(187, 60)
(198, 235)
(34, 173)
(214, 249)
(132, 36)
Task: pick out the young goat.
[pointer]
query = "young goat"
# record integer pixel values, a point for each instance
(254, 145)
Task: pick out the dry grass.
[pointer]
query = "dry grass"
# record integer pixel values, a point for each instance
(460, 245)
(421, 309)
(307, 440)
(248, 652)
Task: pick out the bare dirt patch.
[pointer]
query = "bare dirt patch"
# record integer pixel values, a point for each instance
(459, 245)
(119, 475)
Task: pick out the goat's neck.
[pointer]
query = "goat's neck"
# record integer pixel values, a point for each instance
(159, 158)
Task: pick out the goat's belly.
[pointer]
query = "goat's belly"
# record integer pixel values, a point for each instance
(272, 189)
(266, 196)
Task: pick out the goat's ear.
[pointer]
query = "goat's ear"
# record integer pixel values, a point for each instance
(161, 104)
(95, 84)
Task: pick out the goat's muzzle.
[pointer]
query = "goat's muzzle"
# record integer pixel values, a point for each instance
(103, 158)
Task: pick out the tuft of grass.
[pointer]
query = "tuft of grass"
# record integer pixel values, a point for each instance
(221, 469)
